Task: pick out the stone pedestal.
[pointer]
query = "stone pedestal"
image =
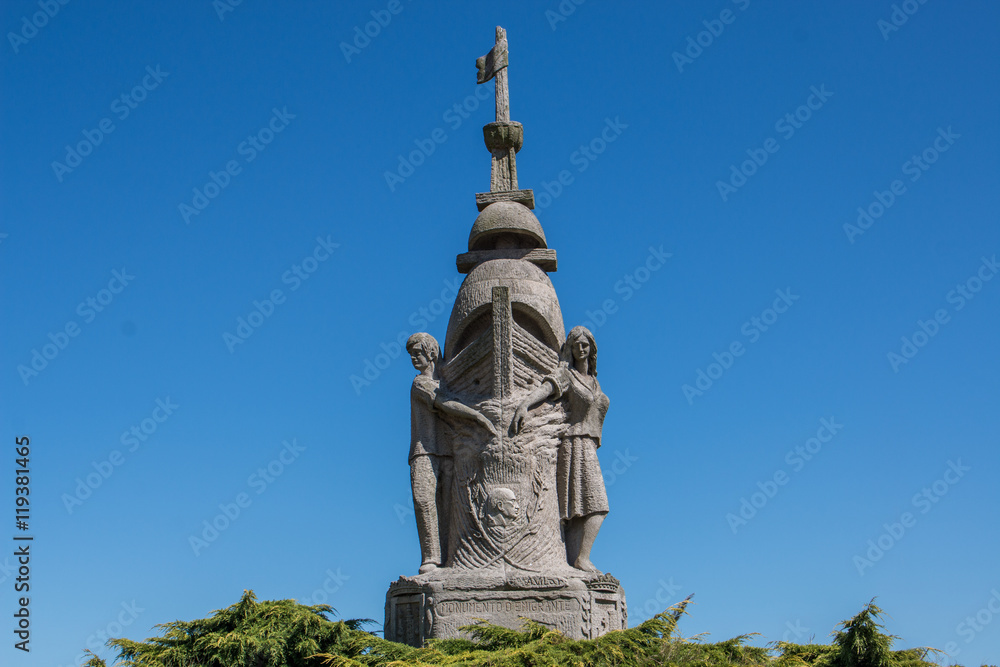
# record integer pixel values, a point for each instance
(579, 605)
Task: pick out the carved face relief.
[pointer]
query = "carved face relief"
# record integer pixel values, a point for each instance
(504, 508)
(510, 508)
(581, 348)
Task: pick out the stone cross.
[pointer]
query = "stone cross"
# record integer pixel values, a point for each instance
(503, 137)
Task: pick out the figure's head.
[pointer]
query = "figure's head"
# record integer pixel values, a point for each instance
(423, 350)
(503, 501)
(580, 344)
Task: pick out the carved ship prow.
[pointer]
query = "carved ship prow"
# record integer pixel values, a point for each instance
(506, 327)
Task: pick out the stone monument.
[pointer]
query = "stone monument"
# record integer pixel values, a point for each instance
(505, 425)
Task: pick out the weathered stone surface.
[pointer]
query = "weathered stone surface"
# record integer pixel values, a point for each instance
(506, 224)
(526, 197)
(417, 610)
(505, 427)
(532, 294)
(545, 259)
(503, 134)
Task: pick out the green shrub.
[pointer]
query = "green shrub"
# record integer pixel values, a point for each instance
(284, 633)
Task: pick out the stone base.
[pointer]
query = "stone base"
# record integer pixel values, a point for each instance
(579, 605)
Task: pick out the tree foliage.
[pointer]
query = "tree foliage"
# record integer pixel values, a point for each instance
(283, 633)
(861, 643)
(279, 633)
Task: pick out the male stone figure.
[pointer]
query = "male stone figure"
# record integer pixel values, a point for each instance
(430, 454)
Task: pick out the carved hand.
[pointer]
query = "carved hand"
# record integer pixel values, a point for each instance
(520, 416)
(487, 424)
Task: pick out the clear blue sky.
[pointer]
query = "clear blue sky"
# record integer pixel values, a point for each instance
(300, 132)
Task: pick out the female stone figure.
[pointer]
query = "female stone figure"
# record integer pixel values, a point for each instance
(431, 464)
(583, 501)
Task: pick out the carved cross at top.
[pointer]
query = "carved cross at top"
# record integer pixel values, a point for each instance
(494, 64)
(502, 93)
(503, 137)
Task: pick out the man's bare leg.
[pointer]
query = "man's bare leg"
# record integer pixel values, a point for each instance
(424, 484)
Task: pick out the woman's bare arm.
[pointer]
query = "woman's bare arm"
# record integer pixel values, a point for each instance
(534, 398)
